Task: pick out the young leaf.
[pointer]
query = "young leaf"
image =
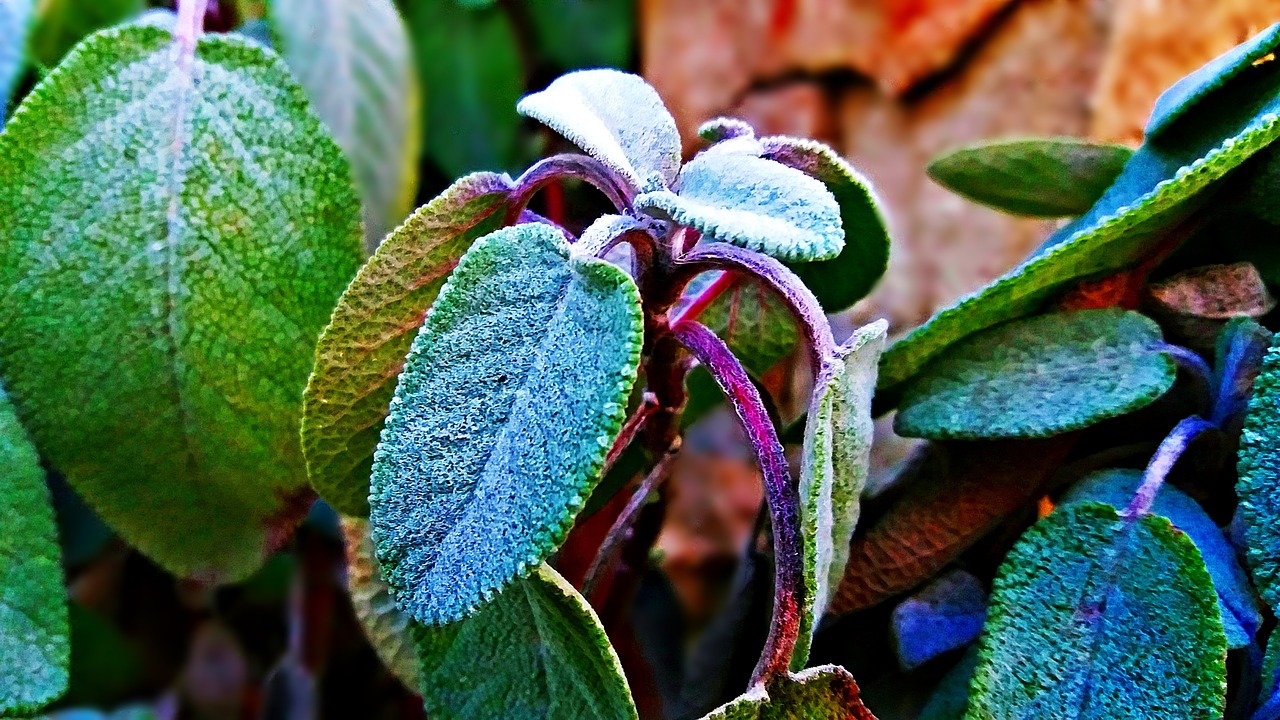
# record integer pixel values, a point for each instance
(386, 626)
(944, 615)
(35, 633)
(363, 348)
(1094, 614)
(180, 218)
(833, 470)
(508, 403)
(15, 25)
(755, 203)
(1258, 468)
(356, 64)
(616, 118)
(1042, 177)
(826, 691)
(535, 651)
(1077, 368)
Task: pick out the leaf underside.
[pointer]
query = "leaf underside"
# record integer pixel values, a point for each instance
(826, 692)
(384, 624)
(1258, 486)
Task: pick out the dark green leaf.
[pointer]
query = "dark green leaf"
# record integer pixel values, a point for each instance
(823, 692)
(60, 24)
(15, 25)
(509, 401)
(1259, 483)
(584, 33)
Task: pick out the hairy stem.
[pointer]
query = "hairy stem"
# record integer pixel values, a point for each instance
(780, 492)
(1163, 461)
(190, 24)
(629, 430)
(1201, 374)
(568, 165)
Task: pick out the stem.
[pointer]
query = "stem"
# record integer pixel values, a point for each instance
(629, 431)
(718, 287)
(190, 24)
(1195, 366)
(556, 167)
(781, 493)
(1162, 462)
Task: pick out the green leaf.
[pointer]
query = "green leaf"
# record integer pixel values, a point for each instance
(356, 64)
(826, 691)
(833, 471)
(385, 625)
(584, 33)
(1096, 615)
(363, 348)
(1037, 377)
(616, 118)
(15, 25)
(536, 651)
(1268, 697)
(508, 403)
(60, 24)
(185, 224)
(1258, 468)
(1040, 177)
(752, 202)
(35, 634)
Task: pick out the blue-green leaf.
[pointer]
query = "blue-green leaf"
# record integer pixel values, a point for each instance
(1259, 478)
(508, 403)
(15, 25)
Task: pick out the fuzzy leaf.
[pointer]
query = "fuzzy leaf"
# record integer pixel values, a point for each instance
(35, 633)
(833, 471)
(356, 64)
(185, 224)
(1042, 177)
(363, 348)
(616, 118)
(1258, 468)
(384, 624)
(1080, 368)
(755, 203)
(15, 25)
(536, 651)
(1094, 615)
(1241, 617)
(508, 403)
(944, 615)
(818, 693)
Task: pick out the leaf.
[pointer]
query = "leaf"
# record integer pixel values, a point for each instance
(1039, 177)
(1238, 354)
(944, 615)
(535, 651)
(508, 403)
(617, 118)
(15, 25)
(951, 697)
(1240, 615)
(1039, 376)
(1268, 697)
(754, 203)
(60, 24)
(356, 64)
(826, 691)
(584, 33)
(362, 350)
(1094, 614)
(833, 471)
(384, 624)
(35, 633)
(185, 224)
(1258, 487)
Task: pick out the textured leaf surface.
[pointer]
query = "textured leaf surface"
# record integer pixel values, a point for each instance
(1097, 616)
(35, 634)
(1268, 697)
(186, 224)
(536, 651)
(354, 60)
(1259, 484)
(615, 117)
(362, 350)
(944, 615)
(509, 401)
(755, 203)
(15, 25)
(1044, 177)
(833, 471)
(1039, 376)
(385, 624)
(1241, 617)
(827, 692)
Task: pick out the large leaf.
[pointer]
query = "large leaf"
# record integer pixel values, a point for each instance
(1099, 615)
(1259, 484)
(584, 33)
(617, 118)
(385, 624)
(1039, 376)
(1164, 183)
(1043, 177)
(536, 651)
(356, 64)
(509, 401)
(363, 348)
(833, 471)
(827, 691)
(35, 633)
(15, 24)
(179, 227)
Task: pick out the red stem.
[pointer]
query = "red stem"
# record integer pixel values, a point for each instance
(558, 167)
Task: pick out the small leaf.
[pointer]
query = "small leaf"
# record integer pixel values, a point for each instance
(1041, 177)
(755, 203)
(950, 698)
(944, 615)
(386, 626)
(833, 471)
(616, 118)
(1259, 484)
(1037, 377)
(508, 403)
(1241, 617)
(826, 691)
(15, 26)
(536, 651)
(356, 64)
(363, 348)
(584, 33)
(35, 632)
(1095, 615)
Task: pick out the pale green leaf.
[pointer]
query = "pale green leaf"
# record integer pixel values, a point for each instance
(1096, 615)
(1258, 486)
(385, 624)
(508, 403)
(827, 692)
(363, 348)
(180, 228)
(354, 59)
(1039, 376)
(15, 25)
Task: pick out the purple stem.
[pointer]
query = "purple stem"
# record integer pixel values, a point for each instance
(190, 24)
(1162, 462)
(558, 167)
(781, 494)
(1195, 366)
